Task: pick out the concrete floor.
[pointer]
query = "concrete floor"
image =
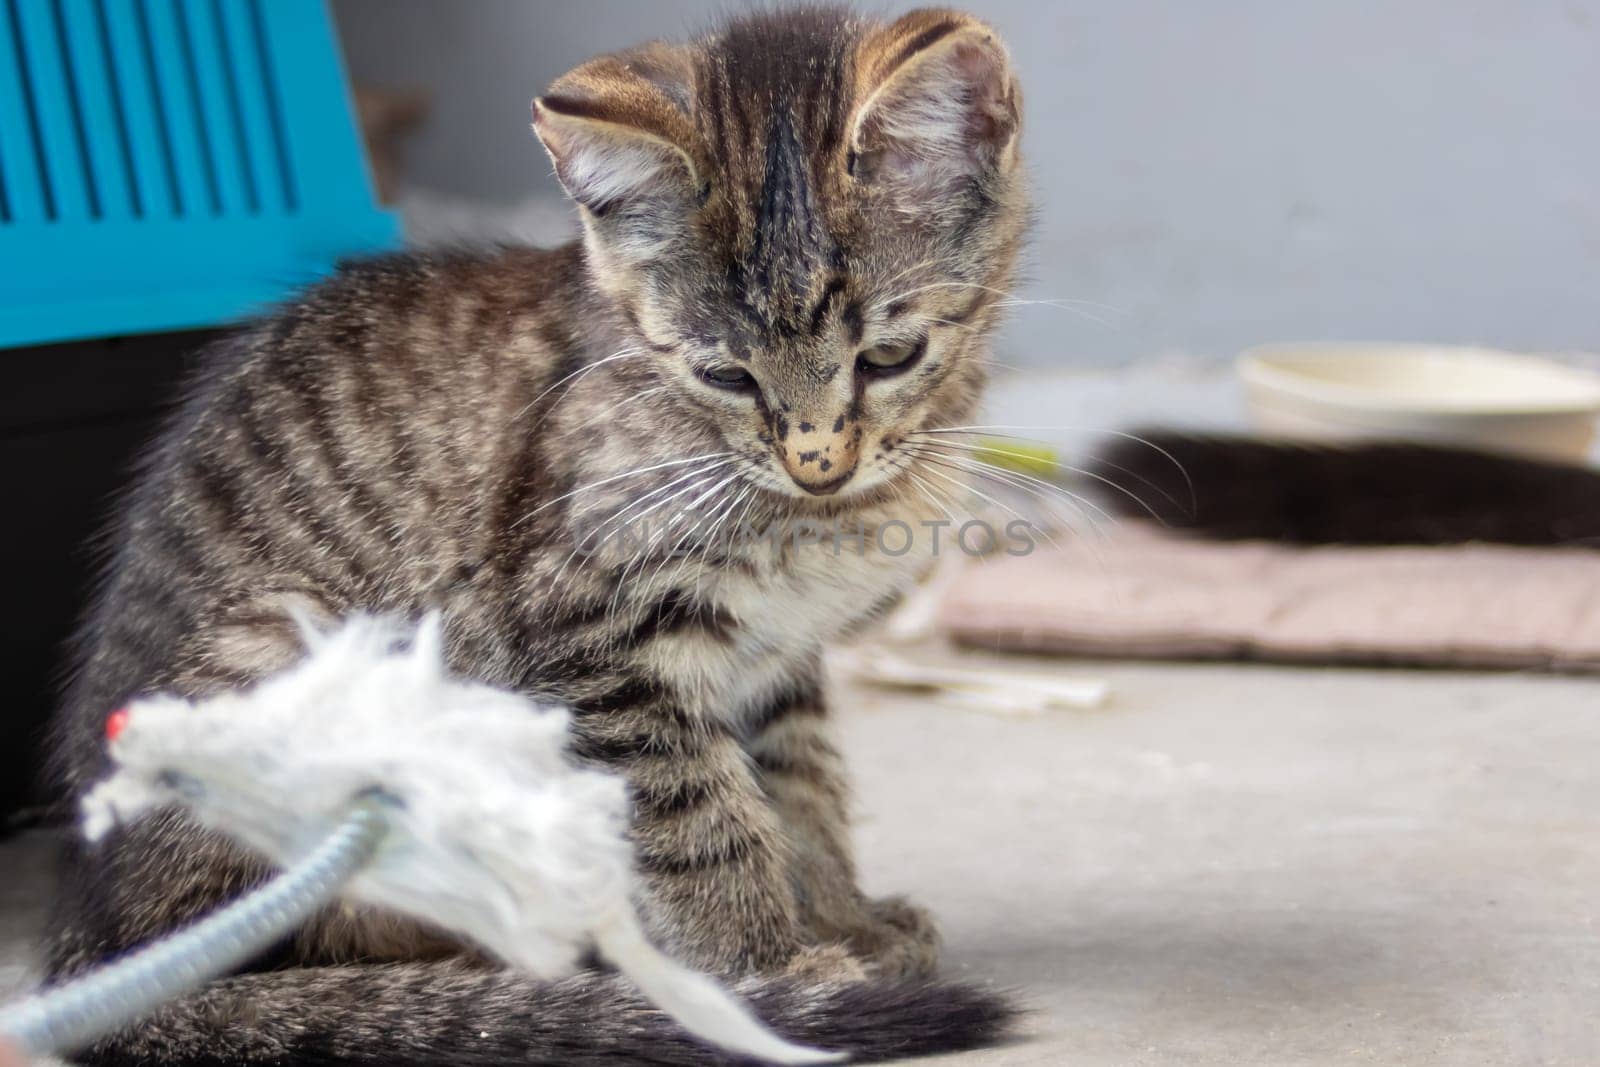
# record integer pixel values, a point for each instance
(1238, 865)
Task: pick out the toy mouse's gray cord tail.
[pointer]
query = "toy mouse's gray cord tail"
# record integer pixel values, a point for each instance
(68, 1017)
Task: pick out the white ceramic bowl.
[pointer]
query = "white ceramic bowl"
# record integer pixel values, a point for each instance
(1476, 397)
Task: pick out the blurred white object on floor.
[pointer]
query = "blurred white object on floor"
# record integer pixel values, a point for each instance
(999, 690)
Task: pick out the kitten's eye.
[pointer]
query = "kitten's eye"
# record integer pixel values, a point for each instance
(734, 379)
(885, 361)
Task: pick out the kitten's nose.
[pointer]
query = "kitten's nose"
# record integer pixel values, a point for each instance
(820, 457)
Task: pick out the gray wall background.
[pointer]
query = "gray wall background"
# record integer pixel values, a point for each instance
(1209, 174)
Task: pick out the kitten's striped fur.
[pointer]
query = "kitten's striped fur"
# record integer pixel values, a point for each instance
(437, 432)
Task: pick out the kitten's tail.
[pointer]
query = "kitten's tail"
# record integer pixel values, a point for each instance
(449, 1012)
(1235, 488)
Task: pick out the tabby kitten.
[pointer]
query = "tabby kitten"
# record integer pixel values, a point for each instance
(794, 234)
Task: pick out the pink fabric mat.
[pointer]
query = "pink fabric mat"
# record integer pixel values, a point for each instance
(1142, 594)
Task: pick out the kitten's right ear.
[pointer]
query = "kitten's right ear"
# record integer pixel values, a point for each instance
(941, 103)
(617, 130)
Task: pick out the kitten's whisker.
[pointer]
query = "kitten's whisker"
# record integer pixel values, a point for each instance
(1008, 295)
(1068, 305)
(958, 325)
(945, 285)
(942, 500)
(1129, 493)
(1156, 486)
(619, 516)
(643, 555)
(616, 478)
(755, 491)
(697, 523)
(1009, 299)
(666, 527)
(626, 353)
(597, 537)
(941, 506)
(666, 531)
(1119, 487)
(714, 537)
(990, 430)
(972, 489)
(1049, 507)
(930, 261)
(1064, 302)
(1042, 491)
(613, 523)
(1040, 483)
(945, 501)
(1114, 308)
(948, 516)
(627, 400)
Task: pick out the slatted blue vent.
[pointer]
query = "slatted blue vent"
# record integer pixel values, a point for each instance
(167, 164)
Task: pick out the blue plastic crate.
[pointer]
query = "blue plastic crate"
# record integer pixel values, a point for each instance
(167, 164)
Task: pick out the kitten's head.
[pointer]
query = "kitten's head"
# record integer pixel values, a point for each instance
(809, 222)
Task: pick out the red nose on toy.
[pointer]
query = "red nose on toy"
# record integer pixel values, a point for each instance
(116, 722)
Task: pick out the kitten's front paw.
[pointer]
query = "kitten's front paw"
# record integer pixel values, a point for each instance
(832, 964)
(898, 939)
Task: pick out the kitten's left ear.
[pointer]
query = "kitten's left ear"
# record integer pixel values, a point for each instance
(939, 102)
(618, 130)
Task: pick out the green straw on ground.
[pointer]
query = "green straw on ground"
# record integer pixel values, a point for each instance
(1025, 457)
